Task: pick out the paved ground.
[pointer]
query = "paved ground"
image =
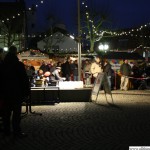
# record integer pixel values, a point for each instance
(87, 126)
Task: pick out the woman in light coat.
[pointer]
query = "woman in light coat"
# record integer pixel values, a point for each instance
(96, 67)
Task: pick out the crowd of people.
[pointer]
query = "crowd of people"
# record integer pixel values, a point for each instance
(15, 81)
(67, 70)
(59, 71)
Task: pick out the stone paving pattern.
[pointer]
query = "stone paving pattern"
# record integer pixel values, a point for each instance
(86, 125)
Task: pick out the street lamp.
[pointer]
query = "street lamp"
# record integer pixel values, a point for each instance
(72, 37)
(103, 47)
(5, 49)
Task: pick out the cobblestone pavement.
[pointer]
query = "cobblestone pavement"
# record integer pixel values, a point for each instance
(87, 125)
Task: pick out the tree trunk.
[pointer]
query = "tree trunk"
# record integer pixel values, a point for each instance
(91, 46)
(9, 41)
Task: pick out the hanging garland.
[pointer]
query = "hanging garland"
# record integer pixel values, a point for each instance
(132, 32)
(20, 14)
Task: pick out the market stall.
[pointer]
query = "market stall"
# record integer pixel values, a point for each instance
(33, 57)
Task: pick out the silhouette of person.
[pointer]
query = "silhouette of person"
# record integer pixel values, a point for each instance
(67, 69)
(125, 70)
(15, 89)
(1, 68)
(108, 71)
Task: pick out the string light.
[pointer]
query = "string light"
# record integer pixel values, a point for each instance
(131, 32)
(21, 13)
(99, 34)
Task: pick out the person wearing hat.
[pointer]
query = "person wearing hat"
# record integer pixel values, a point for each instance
(56, 75)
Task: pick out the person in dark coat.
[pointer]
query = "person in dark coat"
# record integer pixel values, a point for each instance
(107, 69)
(44, 67)
(135, 74)
(75, 70)
(125, 70)
(63, 68)
(15, 89)
(67, 69)
(1, 79)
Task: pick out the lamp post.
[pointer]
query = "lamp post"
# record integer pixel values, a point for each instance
(79, 43)
(103, 47)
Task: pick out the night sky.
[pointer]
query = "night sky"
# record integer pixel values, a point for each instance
(123, 13)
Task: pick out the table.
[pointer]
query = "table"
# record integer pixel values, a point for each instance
(43, 93)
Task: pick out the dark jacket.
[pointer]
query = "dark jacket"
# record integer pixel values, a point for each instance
(16, 82)
(45, 68)
(107, 69)
(136, 71)
(67, 69)
(125, 69)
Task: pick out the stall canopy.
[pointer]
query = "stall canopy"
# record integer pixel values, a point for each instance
(32, 55)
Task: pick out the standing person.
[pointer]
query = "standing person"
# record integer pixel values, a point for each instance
(86, 72)
(96, 67)
(72, 66)
(86, 68)
(75, 70)
(1, 62)
(63, 68)
(125, 70)
(44, 67)
(67, 69)
(108, 71)
(135, 74)
(1, 78)
(15, 89)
